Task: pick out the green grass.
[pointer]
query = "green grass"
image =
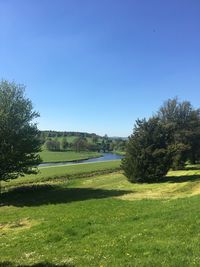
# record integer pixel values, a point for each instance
(61, 156)
(101, 219)
(177, 184)
(65, 172)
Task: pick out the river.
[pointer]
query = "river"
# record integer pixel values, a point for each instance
(105, 157)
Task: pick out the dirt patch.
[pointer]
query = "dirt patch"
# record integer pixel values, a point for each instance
(22, 224)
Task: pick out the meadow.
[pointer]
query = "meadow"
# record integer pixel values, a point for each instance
(90, 215)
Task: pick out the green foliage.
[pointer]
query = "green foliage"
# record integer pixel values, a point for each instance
(92, 147)
(80, 144)
(95, 138)
(91, 142)
(169, 139)
(147, 158)
(52, 145)
(64, 143)
(183, 123)
(106, 144)
(19, 142)
(119, 145)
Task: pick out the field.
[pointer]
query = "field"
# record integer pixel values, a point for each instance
(61, 156)
(89, 215)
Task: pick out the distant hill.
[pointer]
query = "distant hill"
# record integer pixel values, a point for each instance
(52, 133)
(81, 141)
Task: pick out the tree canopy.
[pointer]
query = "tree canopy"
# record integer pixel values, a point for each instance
(183, 124)
(167, 140)
(19, 142)
(147, 157)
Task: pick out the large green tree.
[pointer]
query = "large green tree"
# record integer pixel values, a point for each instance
(19, 136)
(183, 123)
(165, 141)
(52, 145)
(147, 158)
(80, 144)
(64, 143)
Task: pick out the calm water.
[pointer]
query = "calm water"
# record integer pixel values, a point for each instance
(105, 157)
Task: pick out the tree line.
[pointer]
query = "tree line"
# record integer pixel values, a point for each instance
(44, 135)
(99, 144)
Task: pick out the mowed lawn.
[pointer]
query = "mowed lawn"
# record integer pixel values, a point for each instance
(62, 156)
(100, 219)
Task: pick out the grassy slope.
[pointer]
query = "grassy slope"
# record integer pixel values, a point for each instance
(65, 172)
(61, 156)
(175, 186)
(87, 222)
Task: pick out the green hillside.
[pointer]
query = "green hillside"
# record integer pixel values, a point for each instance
(89, 215)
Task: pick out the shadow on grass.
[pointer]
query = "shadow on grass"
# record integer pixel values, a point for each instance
(180, 179)
(50, 194)
(174, 179)
(10, 264)
(192, 168)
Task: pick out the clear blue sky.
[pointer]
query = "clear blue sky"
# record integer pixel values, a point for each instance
(98, 65)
